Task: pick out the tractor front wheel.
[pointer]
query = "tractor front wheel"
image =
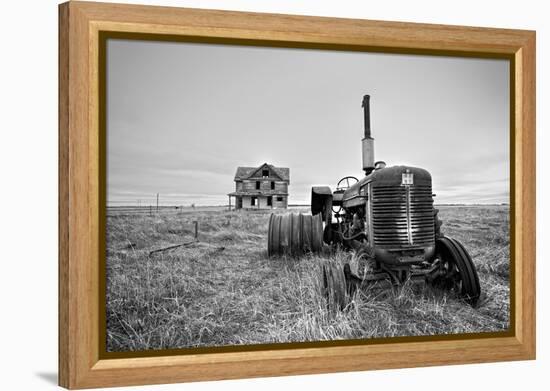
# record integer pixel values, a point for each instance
(333, 286)
(458, 272)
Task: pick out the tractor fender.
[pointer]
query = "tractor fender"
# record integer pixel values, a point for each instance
(321, 201)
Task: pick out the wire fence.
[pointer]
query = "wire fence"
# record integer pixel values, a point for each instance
(167, 209)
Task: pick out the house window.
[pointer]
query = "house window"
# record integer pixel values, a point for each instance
(257, 185)
(279, 199)
(270, 201)
(253, 201)
(272, 185)
(265, 173)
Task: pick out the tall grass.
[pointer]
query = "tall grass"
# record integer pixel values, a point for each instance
(226, 291)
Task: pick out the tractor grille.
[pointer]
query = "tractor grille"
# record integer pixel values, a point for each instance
(402, 216)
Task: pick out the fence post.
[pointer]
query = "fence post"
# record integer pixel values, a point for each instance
(196, 229)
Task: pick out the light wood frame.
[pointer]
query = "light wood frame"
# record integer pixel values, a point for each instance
(80, 166)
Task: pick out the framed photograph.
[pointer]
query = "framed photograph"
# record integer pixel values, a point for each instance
(247, 195)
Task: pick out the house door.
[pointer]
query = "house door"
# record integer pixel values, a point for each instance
(270, 201)
(239, 202)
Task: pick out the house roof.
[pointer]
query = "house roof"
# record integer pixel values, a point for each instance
(247, 172)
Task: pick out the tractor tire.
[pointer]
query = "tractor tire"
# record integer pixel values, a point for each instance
(333, 286)
(460, 272)
(294, 234)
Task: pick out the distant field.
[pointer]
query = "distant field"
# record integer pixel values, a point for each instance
(226, 291)
(149, 209)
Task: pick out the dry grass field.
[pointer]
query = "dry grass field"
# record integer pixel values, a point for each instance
(224, 290)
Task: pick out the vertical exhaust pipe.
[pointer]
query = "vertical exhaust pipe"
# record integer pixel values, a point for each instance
(368, 141)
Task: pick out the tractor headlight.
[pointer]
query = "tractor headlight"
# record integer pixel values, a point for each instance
(407, 178)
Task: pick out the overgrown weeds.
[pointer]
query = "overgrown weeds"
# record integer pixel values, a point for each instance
(226, 291)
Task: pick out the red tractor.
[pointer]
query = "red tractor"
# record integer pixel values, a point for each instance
(388, 219)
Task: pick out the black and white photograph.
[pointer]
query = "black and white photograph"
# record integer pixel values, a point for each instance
(270, 195)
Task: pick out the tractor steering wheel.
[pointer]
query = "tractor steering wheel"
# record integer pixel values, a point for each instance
(340, 187)
(348, 180)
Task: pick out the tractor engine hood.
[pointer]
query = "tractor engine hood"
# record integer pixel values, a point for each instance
(393, 176)
(389, 176)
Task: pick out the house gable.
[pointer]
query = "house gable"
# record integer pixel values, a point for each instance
(251, 173)
(262, 170)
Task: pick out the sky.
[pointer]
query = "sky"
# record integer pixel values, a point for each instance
(182, 117)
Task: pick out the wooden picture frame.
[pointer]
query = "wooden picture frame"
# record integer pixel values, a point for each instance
(81, 148)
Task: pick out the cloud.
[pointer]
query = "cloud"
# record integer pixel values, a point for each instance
(183, 117)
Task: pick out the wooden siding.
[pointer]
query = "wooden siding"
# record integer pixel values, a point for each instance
(265, 184)
(261, 202)
(280, 204)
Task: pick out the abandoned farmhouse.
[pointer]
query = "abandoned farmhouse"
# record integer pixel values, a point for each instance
(263, 187)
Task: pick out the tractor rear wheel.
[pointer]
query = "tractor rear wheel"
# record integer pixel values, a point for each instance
(458, 270)
(294, 234)
(333, 286)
